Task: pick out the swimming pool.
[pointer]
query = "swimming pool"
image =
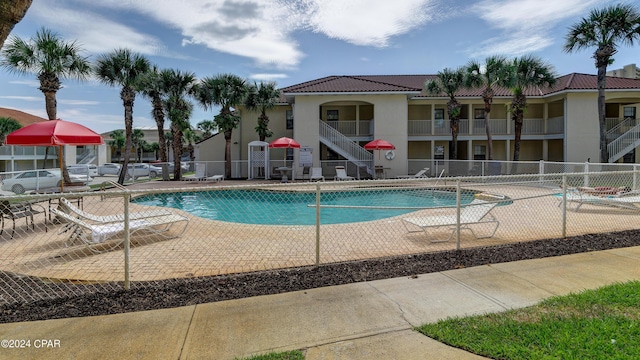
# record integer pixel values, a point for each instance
(292, 208)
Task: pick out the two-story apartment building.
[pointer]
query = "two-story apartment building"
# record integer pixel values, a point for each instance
(336, 115)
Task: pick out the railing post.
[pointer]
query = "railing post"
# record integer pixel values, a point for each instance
(458, 214)
(541, 170)
(564, 206)
(318, 223)
(127, 243)
(586, 176)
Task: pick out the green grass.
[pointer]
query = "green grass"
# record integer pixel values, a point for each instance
(595, 324)
(289, 355)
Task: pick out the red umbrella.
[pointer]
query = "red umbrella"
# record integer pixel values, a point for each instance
(54, 133)
(379, 144)
(284, 143)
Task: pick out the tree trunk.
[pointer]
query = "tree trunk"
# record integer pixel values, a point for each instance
(158, 115)
(453, 107)
(11, 12)
(487, 96)
(602, 78)
(227, 155)
(128, 132)
(518, 135)
(177, 150)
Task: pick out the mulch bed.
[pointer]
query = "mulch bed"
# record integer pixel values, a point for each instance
(182, 292)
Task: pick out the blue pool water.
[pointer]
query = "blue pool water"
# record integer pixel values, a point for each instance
(292, 208)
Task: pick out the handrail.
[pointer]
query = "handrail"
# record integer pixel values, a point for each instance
(623, 143)
(104, 184)
(616, 129)
(437, 179)
(351, 148)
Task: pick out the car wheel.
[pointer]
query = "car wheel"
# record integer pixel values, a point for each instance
(153, 174)
(17, 188)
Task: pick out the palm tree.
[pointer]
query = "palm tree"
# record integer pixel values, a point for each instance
(7, 126)
(487, 75)
(125, 69)
(180, 84)
(153, 87)
(605, 29)
(137, 137)
(49, 57)
(449, 82)
(118, 140)
(207, 127)
(525, 72)
(262, 97)
(11, 12)
(227, 91)
(190, 137)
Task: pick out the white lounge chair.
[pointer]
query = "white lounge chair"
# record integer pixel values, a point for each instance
(216, 178)
(477, 212)
(93, 234)
(341, 174)
(420, 174)
(575, 199)
(200, 175)
(68, 205)
(316, 174)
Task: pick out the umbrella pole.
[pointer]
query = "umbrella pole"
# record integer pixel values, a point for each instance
(60, 149)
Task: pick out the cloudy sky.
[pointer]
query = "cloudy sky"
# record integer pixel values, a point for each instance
(292, 41)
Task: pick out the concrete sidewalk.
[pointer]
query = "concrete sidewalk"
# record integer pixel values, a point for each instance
(371, 320)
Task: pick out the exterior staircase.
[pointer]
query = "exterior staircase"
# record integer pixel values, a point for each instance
(347, 148)
(86, 157)
(620, 142)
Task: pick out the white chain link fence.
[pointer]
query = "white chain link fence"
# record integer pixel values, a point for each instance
(118, 239)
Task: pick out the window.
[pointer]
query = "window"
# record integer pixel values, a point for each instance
(478, 113)
(629, 112)
(289, 117)
(289, 154)
(438, 116)
(332, 115)
(479, 152)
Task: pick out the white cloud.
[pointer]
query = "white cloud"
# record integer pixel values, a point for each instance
(261, 30)
(96, 33)
(23, 98)
(367, 22)
(31, 83)
(78, 102)
(267, 77)
(527, 25)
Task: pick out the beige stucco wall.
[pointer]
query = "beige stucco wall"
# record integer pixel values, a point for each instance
(581, 127)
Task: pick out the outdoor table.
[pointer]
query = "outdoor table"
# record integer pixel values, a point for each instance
(381, 172)
(283, 171)
(67, 190)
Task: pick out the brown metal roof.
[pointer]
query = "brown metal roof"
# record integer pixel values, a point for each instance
(415, 83)
(22, 117)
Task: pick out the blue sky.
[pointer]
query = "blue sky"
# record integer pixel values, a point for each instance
(292, 41)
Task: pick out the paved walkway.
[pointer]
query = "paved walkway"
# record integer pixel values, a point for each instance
(370, 320)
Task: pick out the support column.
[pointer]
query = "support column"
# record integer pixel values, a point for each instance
(545, 150)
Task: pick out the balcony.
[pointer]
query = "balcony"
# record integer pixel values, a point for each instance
(498, 127)
(353, 128)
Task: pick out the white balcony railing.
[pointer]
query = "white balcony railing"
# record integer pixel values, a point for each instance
(554, 125)
(352, 127)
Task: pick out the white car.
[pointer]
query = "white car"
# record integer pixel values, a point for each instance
(39, 179)
(109, 169)
(83, 169)
(141, 170)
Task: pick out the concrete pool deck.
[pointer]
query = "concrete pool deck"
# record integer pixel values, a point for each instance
(211, 247)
